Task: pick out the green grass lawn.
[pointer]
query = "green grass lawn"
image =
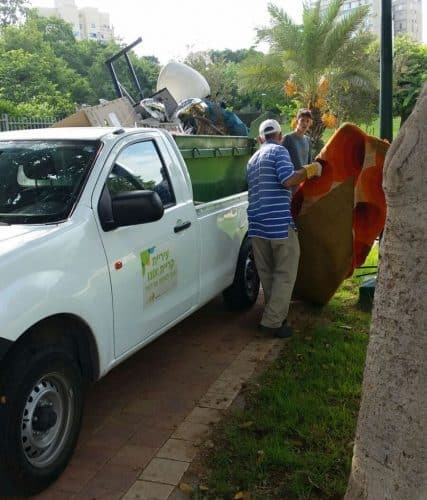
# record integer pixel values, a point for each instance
(372, 129)
(294, 437)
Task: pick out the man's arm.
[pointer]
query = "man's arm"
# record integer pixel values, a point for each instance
(287, 174)
(305, 172)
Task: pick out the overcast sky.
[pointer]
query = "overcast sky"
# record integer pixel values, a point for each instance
(170, 29)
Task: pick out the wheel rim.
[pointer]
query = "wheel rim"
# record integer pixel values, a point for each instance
(47, 419)
(251, 276)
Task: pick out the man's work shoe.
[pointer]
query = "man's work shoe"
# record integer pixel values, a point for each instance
(281, 332)
(285, 331)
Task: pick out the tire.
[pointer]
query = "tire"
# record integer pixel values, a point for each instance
(243, 292)
(40, 415)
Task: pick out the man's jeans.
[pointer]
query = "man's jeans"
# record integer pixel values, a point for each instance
(277, 265)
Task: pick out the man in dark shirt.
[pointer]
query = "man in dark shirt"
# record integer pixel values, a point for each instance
(297, 143)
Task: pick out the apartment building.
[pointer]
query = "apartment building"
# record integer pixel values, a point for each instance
(406, 14)
(407, 18)
(87, 22)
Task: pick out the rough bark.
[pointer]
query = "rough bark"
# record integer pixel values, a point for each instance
(390, 451)
(316, 130)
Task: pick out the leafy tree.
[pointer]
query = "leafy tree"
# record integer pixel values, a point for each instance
(220, 68)
(7, 107)
(221, 75)
(89, 59)
(227, 55)
(353, 99)
(36, 39)
(76, 69)
(11, 11)
(25, 78)
(410, 72)
(263, 74)
(311, 62)
(147, 70)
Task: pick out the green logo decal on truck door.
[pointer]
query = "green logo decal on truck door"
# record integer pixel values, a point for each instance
(159, 272)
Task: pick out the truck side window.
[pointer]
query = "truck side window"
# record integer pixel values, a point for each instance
(139, 166)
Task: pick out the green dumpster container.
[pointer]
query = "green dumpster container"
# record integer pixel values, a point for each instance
(217, 164)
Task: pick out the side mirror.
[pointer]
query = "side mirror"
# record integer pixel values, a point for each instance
(136, 207)
(128, 208)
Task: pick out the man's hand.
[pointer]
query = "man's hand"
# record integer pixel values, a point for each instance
(313, 169)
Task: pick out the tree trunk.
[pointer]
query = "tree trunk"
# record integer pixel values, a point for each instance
(316, 130)
(390, 451)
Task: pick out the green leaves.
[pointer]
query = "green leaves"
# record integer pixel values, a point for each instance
(45, 71)
(410, 70)
(11, 11)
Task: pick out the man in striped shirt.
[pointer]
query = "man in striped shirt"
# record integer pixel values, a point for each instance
(270, 176)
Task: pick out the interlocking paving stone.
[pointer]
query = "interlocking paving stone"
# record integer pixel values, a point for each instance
(178, 449)
(147, 490)
(133, 455)
(215, 401)
(163, 470)
(112, 478)
(205, 416)
(191, 431)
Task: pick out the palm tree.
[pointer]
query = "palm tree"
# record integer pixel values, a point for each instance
(310, 61)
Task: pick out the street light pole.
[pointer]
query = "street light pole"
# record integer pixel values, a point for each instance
(386, 76)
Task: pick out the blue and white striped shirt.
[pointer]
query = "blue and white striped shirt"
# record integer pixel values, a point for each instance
(269, 212)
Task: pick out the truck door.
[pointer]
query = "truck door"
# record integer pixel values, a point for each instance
(153, 266)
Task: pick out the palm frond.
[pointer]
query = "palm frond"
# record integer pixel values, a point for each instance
(328, 19)
(311, 29)
(278, 14)
(282, 34)
(332, 12)
(358, 78)
(261, 73)
(356, 54)
(310, 13)
(340, 34)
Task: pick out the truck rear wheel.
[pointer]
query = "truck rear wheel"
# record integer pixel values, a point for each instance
(244, 290)
(41, 404)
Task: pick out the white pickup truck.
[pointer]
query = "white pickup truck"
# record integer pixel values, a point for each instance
(102, 249)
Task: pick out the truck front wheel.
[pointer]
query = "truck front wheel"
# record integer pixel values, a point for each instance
(244, 290)
(41, 404)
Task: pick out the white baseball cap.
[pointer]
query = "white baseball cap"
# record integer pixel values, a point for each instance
(268, 127)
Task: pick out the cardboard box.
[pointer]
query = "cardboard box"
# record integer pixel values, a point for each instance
(117, 113)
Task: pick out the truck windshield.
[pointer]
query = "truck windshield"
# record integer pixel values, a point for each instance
(40, 181)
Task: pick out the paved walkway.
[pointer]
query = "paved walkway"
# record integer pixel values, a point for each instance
(144, 421)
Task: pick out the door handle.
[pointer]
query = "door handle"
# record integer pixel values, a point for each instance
(182, 226)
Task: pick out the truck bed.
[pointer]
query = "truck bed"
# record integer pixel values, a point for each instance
(216, 164)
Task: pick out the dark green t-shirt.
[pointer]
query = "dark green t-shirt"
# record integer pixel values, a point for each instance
(299, 148)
